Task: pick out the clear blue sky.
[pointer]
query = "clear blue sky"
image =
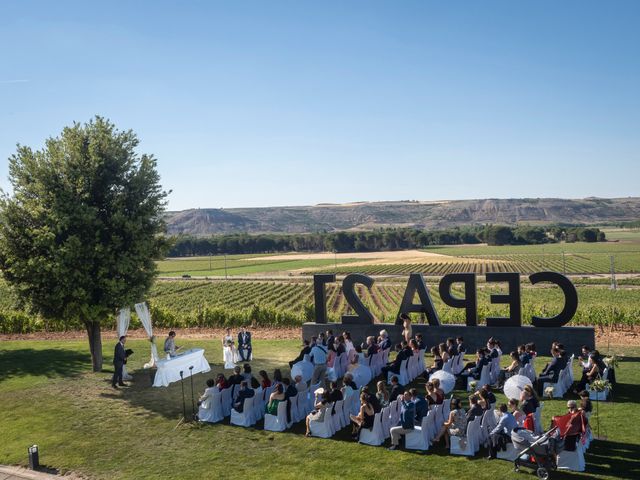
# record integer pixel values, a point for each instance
(300, 102)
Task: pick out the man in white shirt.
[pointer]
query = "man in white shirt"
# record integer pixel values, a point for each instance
(319, 359)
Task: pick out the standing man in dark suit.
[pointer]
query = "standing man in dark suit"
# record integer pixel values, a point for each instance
(244, 344)
(119, 359)
(331, 340)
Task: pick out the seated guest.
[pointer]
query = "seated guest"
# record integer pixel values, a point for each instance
(531, 350)
(421, 405)
(301, 386)
(513, 368)
(529, 402)
(318, 412)
(460, 345)
(365, 417)
(170, 346)
(264, 379)
(585, 403)
(382, 394)
(372, 347)
(420, 342)
(221, 382)
(254, 383)
(396, 389)
(595, 371)
(394, 366)
(275, 398)
(475, 410)
(347, 381)
(452, 351)
(372, 398)
(523, 355)
(501, 434)
(492, 348)
(306, 350)
(348, 343)
(438, 390)
(246, 372)
(585, 358)
(455, 425)
(277, 377)
(474, 370)
(414, 347)
(334, 392)
(237, 377)
(552, 370)
(331, 341)
(406, 424)
(384, 342)
(486, 393)
(432, 396)
(341, 346)
(208, 393)
(290, 389)
(437, 363)
(444, 353)
(516, 412)
(245, 392)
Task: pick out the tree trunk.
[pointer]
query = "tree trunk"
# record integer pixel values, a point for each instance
(95, 344)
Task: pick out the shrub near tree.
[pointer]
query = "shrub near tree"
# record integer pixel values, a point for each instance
(81, 230)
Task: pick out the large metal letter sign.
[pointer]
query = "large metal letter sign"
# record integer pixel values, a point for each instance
(319, 295)
(570, 299)
(416, 284)
(512, 299)
(470, 300)
(362, 316)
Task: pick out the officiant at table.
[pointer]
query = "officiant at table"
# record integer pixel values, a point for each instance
(244, 345)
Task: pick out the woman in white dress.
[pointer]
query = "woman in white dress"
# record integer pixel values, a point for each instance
(229, 353)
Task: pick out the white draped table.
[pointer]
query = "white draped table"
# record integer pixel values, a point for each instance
(169, 370)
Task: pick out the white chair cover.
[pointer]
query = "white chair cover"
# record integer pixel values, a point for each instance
(211, 408)
(244, 419)
(374, 436)
(145, 318)
(418, 438)
(277, 423)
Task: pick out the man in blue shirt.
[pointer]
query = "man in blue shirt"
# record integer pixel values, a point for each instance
(406, 424)
(319, 359)
(499, 436)
(420, 404)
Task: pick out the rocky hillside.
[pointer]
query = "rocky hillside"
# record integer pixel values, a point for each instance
(367, 216)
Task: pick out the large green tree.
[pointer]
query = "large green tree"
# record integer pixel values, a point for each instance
(83, 225)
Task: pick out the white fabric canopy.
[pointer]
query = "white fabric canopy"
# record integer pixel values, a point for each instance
(169, 370)
(145, 318)
(122, 326)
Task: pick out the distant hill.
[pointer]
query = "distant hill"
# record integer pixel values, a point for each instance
(371, 215)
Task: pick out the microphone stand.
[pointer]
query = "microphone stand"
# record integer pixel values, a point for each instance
(184, 405)
(193, 408)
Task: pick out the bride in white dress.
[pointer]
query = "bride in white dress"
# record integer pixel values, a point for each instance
(229, 352)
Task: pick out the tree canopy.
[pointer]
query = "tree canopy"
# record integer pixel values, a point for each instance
(81, 230)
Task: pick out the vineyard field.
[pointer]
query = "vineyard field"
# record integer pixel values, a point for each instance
(195, 303)
(239, 265)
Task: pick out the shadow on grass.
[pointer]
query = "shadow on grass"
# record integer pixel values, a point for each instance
(168, 401)
(48, 362)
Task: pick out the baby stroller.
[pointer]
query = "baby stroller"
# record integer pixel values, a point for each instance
(537, 452)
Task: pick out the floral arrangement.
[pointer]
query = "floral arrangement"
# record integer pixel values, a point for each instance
(548, 392)
(473, 384)
(600, 385)
(612, 361)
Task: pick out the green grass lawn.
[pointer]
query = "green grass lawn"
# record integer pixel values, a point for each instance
(49, 396)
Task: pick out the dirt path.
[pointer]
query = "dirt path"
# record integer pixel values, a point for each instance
(627, 336)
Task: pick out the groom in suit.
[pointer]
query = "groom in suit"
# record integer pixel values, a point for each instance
(244, 344)
(119, 359)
